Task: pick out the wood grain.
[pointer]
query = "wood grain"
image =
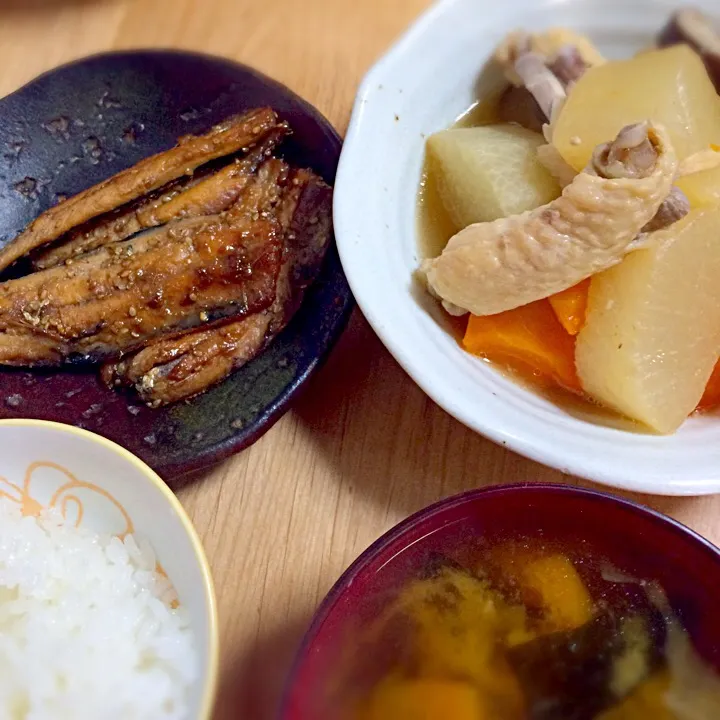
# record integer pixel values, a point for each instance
(363, 447)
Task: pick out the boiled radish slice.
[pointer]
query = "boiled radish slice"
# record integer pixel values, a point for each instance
(652, 331)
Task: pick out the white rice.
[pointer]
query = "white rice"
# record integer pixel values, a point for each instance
(86, 627)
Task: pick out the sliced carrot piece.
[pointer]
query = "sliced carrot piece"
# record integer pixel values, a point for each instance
(570, 306)
(530, 337)
(711, 396)
(527, 339)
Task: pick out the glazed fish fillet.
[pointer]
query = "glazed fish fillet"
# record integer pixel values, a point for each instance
(263, 192)
(170, 370)
(118, 298)
(176, 368)
(149, 174)
(208, 195)
(491, 267)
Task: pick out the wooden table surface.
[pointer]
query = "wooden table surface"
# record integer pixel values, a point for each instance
(363, 447)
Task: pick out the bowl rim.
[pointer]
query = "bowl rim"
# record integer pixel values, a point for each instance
(366, 557)
(637, 462)
(212, 667)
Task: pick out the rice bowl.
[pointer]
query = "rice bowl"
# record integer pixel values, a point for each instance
(106, 603)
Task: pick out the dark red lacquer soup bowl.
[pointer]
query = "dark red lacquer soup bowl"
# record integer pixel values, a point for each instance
(636, 541)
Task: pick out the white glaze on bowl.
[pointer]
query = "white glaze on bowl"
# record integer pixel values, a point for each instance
(421, 86)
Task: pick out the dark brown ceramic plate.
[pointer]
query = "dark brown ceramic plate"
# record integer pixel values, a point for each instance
(83, 122)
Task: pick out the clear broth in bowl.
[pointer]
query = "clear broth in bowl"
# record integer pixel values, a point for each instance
(434, 225)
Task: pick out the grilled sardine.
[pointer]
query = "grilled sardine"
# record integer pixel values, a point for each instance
(207, 195)
(176, 368)
(118, 298)
(147, 175)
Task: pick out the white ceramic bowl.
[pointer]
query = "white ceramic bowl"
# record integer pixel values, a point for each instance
(99, 485)
(421, 86)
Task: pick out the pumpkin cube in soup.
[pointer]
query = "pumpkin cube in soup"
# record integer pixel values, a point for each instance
(553, 584)
(459, 621)
(670, 87)
(455, 617)
(425, 700)
(489, 172)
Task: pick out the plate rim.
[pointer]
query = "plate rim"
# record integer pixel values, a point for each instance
(180, 472)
